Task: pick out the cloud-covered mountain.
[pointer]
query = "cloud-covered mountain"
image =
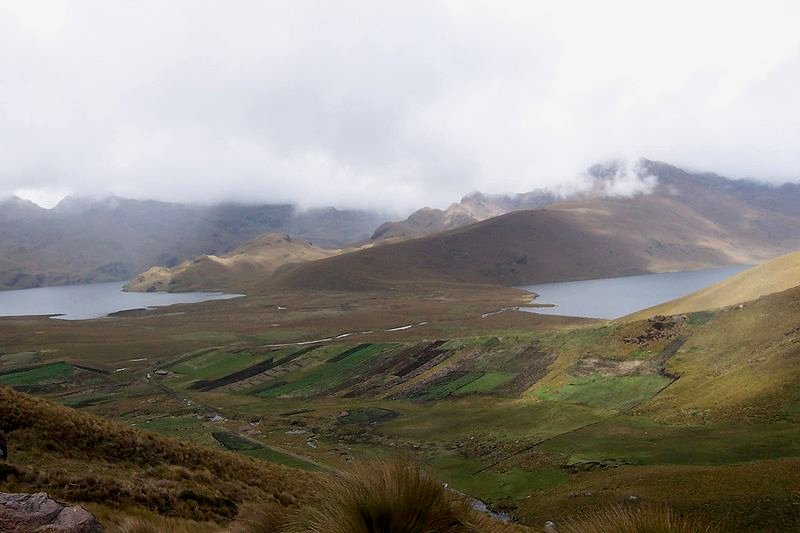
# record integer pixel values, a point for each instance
(84, 240)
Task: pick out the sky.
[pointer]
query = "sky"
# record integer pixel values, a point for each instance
(387, 105)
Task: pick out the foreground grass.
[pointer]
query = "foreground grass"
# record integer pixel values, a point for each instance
(79, 457)
(385, 497)
(625, 519)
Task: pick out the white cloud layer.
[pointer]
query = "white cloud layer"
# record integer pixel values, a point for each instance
(387, 104)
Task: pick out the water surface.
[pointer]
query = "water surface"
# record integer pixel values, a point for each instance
(95, 300)
(617, 297)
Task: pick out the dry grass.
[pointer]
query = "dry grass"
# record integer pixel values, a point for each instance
(83, 458)
(641, 519)
(378, 497)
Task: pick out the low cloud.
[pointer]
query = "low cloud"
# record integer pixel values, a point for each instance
(628, 179)
(394, 106)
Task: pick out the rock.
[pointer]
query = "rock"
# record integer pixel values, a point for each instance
(550, 527)
(37, 513)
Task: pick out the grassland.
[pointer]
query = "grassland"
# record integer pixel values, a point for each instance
(528, 413)
(38, 375)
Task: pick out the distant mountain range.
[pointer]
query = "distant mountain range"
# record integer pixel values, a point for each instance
(654, 217)
(685, 221)
(85, 240)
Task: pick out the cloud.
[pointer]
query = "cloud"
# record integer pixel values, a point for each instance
(387, 104)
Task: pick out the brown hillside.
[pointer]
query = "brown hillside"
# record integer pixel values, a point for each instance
(581, 239)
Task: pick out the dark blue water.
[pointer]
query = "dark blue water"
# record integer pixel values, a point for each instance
(617, 297)
(79, 302)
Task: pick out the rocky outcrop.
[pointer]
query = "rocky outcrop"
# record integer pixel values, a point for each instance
(34, 513)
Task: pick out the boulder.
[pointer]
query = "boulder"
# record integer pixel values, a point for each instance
(38, 513)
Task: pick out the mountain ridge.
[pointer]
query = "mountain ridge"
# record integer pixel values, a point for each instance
(85, 241)
(688, 221)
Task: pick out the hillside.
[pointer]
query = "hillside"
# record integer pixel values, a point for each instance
(678, 227)
(83, 240)
(773, 276)
(119, 470)
(256, 258)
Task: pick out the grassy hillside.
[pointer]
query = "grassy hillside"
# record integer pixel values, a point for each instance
(255, 259)
(108, 465)
(773, 276)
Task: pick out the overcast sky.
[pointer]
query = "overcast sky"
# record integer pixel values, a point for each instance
(386, 104)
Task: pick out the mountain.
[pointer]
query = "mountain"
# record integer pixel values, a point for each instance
(608, 179)
(472, 208)
(256, 258)
(85, 240)
(685, 221)
(777, 275)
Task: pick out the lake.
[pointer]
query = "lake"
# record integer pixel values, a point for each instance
(617, 297)
(95, 300)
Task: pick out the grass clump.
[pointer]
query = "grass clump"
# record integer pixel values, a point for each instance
(641, 519)
(380, 497)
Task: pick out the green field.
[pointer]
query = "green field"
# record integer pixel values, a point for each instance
(638, 440)
(216, 364)
(252, 448)
(619, 393)
(330, 375)
(40, 375)
(486, 383)
(491, 485)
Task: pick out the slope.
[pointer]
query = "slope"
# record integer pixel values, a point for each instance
(777, 275)
(81, 457)
(256, 258)
(679, 229)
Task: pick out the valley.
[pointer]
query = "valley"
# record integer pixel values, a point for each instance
(539, 416)
(399, 267)
(427, 349)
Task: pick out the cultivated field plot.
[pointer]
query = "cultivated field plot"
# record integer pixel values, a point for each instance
(427, 371)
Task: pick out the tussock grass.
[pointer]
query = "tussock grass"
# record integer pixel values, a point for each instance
(639, 519)
(379, 497)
